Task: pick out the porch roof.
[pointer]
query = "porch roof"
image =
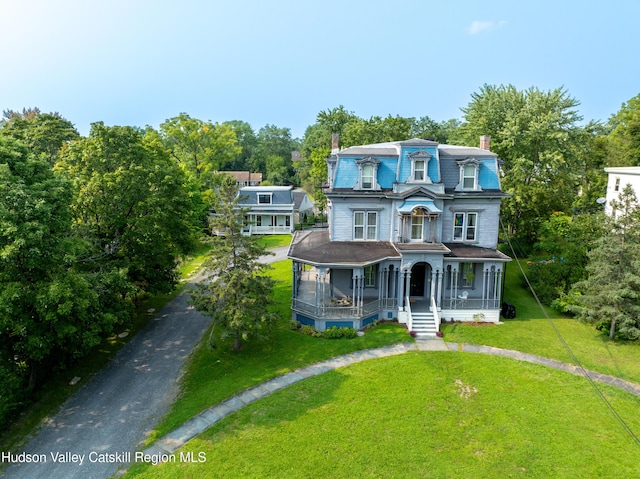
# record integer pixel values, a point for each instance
(315, 247)
(409, 205)
(465, 251)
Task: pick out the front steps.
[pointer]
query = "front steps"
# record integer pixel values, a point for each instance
(424, 325)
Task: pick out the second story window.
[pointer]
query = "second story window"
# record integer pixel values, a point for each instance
(365, 225)
(465, 226)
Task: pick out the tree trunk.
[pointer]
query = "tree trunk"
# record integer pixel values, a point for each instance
(236, 341)
(33, 374)
(612, 331)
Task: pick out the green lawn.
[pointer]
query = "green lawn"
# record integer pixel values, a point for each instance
(215, 375)
(532, 333)
(275, 241)
(422, 415)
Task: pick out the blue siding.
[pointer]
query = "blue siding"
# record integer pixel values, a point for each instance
(368, 321)
(387, 172)
(340, 324)
(405, 166)
(347, 174)
(488, 175)
(305, 320)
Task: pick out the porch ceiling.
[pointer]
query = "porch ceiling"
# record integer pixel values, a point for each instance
(314, 247)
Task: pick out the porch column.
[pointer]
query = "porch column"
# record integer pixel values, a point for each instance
(434, 278)
(454, 286)
(294, 274)
(440, 281)
(317, 285)
(498, 287)
(485, 288)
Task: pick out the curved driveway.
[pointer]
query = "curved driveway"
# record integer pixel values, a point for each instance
(113, 413)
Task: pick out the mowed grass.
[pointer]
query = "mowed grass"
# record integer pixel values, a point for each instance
(532, 333)
(215, 375)
(422, 414)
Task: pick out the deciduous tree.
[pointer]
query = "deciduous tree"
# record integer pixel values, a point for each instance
(533, 132)
(130, 203)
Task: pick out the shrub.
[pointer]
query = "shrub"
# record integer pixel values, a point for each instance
(336, 333)
(310, 331)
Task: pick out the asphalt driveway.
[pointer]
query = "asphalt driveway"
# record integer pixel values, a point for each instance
(113, 413)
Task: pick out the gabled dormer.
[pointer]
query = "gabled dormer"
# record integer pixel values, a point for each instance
(420, 166)
(367, 174)
(468, 170)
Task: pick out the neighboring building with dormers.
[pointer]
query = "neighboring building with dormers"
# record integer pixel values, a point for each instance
(413, 233)
(270, 209)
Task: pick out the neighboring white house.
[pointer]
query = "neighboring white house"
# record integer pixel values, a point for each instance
(271, 209)
(619, 177)
(413, 235)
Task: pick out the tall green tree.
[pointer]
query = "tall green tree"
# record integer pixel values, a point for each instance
(247, 141)
(130, 203)
(237, 296)
(610, 296)
(43, 133)
(624, 139)
(534, 132)
(274, 141)
(50, 310)
(200, 147)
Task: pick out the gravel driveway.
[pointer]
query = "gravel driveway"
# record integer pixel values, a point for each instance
(112, 414)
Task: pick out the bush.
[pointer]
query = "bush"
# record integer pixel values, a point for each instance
(310, 331)
(336, 333)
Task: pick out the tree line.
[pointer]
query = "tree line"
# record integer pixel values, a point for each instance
(88, 225)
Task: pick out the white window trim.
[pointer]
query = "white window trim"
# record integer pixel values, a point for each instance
(365, 225)
(465, 227)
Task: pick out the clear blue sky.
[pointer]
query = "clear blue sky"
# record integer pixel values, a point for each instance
(139, 62)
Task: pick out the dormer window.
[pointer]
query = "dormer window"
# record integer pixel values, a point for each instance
(420, 166)
(468, 175)
(420, 172)
(264, 198)
(368, 174)
(367, 177)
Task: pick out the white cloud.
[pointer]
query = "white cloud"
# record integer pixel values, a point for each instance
(479, 26)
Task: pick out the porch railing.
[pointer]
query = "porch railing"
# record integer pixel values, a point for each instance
(471, 303)
(343, 311)
(436, 313)
(409, 316)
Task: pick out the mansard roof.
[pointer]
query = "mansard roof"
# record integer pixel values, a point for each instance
(391, 148)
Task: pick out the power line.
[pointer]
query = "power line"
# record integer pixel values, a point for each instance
(576, 361)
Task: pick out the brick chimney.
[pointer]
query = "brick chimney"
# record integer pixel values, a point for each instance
(335, 143)
(485, 142)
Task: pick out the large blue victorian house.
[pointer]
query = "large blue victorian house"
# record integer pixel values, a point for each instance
(413, 232)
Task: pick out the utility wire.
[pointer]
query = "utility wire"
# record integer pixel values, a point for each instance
(576, 361)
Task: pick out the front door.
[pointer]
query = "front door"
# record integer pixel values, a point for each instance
(420, 286)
